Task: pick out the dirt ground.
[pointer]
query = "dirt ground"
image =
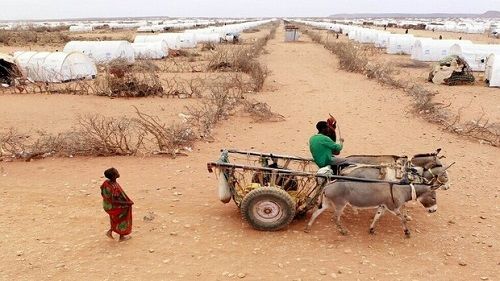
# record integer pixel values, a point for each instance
(53, 225)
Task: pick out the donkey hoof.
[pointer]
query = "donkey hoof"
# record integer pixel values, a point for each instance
(407, 233)
(372, 231)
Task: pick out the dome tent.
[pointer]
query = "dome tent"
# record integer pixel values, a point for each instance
(492, 72)
(151, 50)
(81, 28)
(103, 51)
(475, 54)
(400, 43)
(433, 50)
(55, 67)
(175, 41)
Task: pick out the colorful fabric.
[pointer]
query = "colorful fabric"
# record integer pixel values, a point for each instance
(322, 149)
(118, 206)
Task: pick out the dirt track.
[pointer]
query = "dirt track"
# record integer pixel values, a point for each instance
(53, 224)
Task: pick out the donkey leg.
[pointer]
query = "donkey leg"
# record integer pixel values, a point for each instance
(398, 213)
(326, 204)
(378, 214)
(338, 213)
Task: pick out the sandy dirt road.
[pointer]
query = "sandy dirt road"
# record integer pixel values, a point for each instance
(52, 223)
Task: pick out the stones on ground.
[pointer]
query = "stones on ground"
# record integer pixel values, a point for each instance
(322, 272)
(166, 261)
(19, 253)
(151, 250)
(482, 217)
(280, 265)
(333, 275)
(173, 233)
(241, 275)
(347, 251)
(149, 217)
(484, 278)
(462, 263)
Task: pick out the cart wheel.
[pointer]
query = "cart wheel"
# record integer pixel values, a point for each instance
(268, 208)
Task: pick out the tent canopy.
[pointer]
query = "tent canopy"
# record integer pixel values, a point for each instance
(55, 67)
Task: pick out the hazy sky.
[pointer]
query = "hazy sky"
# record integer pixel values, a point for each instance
(57, 9)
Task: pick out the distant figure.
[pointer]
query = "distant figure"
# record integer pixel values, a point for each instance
(117, 204)
(385, 27)
(406, 32)
(460, 38)
(440, 37)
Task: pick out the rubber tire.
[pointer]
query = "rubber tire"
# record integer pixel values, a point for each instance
(273, 194)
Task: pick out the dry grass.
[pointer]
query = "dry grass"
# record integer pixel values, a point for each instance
(25, 37)
(121, 80)
(261, 111)
(169, 139)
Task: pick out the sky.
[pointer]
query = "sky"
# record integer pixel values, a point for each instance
(59, 9)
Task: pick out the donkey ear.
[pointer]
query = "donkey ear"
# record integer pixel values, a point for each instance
(438, 150)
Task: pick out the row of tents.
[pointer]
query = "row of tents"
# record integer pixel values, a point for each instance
(79, 58)
(480, 57)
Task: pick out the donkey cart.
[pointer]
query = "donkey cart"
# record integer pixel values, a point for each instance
(271, 189)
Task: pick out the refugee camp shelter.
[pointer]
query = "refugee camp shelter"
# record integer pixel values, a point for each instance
(492, 72)
(400, 43)
(150, 50)
(81, 28)
(175, 41)
(9, 70)
(103, 51)
(475, 54)
(55, 66)
(426, 49)
(382, 39)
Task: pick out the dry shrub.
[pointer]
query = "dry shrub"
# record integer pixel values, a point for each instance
(351, 57)
(383, 73)
(481, 128)
(169, 139)
(24, 37)
(106, 136)
(121, 80)
(16, 145)
(208, 47)
(184, 88)
(219, 105)
(242, 60)
(260, 112)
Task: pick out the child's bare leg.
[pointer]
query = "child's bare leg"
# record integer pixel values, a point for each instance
(109, 233)
(124, 238)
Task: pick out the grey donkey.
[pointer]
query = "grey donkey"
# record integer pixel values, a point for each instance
(367, 195)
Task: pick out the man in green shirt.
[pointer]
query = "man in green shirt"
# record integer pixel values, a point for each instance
(323, 147)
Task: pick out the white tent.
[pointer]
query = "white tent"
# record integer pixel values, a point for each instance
(382, 39)
(400, 43)
(175, 41)
(151, 50)
(475, 54)
(81, 28)
(206, 37)
(103, 51)
(55, 67)
(434, 50)
(492, 72)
